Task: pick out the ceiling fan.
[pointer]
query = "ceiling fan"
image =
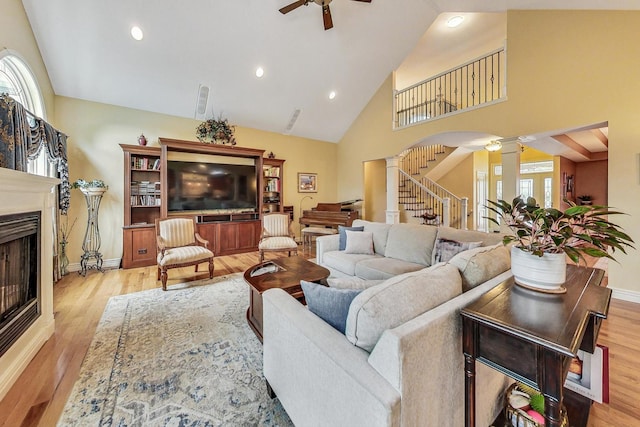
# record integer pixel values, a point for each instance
(326, 12)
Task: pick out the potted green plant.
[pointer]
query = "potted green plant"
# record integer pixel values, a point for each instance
(543, 237)
(216, 131)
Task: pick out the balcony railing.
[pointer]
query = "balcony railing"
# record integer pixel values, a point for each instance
(474, 83)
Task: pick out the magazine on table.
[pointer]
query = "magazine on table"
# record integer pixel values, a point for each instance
(589, 374)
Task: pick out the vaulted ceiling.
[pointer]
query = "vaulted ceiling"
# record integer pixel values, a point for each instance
(90, 54)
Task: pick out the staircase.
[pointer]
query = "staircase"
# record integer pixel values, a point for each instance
(423, 200)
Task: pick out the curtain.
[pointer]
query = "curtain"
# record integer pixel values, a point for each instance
(23, 136)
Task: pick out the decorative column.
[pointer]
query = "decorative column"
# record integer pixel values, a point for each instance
(510, 156)
(91, 243)
(392, 213)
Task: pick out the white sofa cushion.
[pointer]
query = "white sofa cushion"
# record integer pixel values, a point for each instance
(345, 263)
(411, 242)
(398, 300)
(384, 268)
(478, 265)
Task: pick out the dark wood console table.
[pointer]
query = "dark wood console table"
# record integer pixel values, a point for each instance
(532, 336)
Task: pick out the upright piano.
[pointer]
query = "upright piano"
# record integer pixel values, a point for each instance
(330, 214)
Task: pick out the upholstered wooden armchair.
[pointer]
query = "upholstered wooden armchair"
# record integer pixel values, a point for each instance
(277, 235)
(179, 245)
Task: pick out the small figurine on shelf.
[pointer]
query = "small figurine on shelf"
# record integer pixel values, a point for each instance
(271, 155)
(142, 140)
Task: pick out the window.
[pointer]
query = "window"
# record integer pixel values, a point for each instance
(526, 188)
(547, 192)
(16, 79)
(545, 166)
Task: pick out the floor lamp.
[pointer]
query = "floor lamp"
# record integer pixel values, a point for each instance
(300, 214)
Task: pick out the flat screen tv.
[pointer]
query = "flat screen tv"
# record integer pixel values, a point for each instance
(210, 187)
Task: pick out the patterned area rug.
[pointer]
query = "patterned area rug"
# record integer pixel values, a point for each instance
(185, 357)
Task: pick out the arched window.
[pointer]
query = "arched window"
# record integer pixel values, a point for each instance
(17, 80)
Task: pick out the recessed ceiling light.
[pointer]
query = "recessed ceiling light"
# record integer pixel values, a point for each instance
(454, 21)
(259, 72)
(136, 33)
(332, 94)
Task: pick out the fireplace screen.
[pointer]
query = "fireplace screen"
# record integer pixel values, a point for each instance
(19, 275)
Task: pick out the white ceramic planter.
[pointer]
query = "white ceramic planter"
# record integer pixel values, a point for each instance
(93, 191)
(546, 273)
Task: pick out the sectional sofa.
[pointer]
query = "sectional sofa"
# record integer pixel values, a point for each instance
(399, 361)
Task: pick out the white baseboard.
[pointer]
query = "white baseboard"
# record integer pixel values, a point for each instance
(113, 263)
(625, 295)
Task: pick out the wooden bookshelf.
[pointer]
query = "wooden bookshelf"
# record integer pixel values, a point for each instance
(142, 204)
(272, 180)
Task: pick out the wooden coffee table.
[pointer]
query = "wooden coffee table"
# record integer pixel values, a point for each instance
(290, 271)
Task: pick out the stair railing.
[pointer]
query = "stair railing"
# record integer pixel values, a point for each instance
(477, 82)
(432, 202)
(413, 160)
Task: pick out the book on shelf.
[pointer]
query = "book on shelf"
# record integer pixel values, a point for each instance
(145, 193)
(145, 163)
(273, 185)
(272, 172)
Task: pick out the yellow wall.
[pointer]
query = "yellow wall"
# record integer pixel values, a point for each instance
(460, 181)
(96, 130)
(16, 35)
(565, 69)
(375, 195)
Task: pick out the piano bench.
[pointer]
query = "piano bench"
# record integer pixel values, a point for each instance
(308, 233)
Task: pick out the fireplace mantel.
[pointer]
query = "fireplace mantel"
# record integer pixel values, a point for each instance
(23, 192)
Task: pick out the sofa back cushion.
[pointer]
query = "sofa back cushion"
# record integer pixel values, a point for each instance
(411, 242)
(478, 265)
(380, 231)
(398, 300)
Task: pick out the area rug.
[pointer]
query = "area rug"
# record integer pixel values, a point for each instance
(185, 357)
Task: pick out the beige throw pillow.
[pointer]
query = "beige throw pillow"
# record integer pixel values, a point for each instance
(359, 242)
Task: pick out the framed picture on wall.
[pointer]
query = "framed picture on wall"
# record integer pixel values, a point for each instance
(307, 182)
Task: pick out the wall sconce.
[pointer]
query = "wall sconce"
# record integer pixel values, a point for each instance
(493, 145)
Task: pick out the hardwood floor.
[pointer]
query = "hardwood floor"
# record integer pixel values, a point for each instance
(39, 395)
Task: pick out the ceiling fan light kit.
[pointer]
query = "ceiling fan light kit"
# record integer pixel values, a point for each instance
(326, 12)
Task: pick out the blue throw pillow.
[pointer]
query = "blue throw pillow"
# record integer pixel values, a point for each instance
(329, 304)
(343, 235)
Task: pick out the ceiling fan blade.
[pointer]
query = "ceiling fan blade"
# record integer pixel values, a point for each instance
(326, 16)
(366, 1)
(292, 6)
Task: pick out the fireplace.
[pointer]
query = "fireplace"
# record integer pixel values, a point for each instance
(26, 317)
(19, 275)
